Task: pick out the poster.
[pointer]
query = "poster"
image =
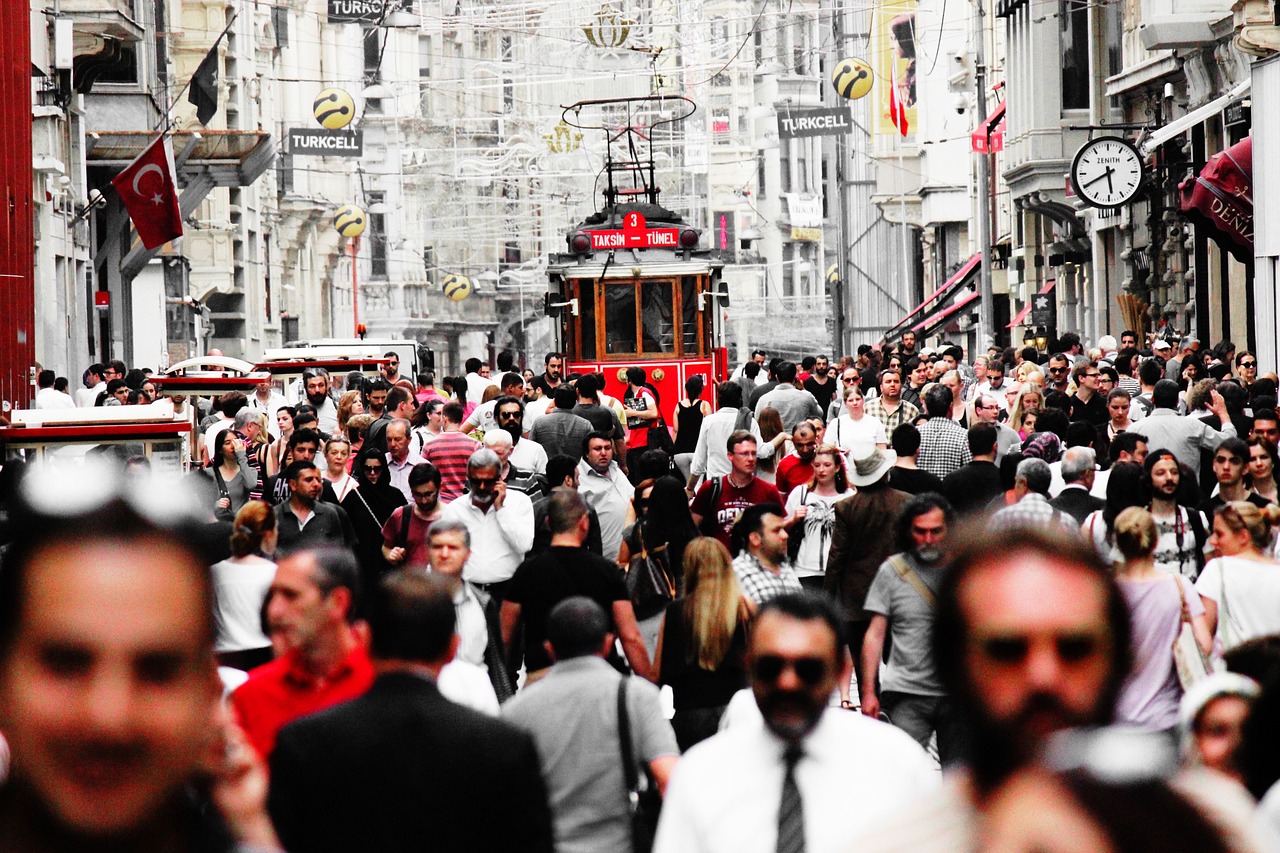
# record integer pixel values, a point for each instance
(895, 36)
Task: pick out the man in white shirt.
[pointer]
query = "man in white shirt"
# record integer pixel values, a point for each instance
(483, 417)
(606, 490)
(500, 521)
(478, 380)
(267, 399)
(526, 454)
(316, 385)
(94, 385)
(400, 458)
(813, 776)
(46, 397)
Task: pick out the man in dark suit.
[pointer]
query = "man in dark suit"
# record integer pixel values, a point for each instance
(1077, 473)
(973, 485)
(402, 768)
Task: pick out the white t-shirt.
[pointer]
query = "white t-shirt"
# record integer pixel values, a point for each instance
(1250, 605)
(855, 438)
(239, 590)
(535, 409)
(528, 455)
(811, 559)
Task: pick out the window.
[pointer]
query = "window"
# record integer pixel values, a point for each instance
(689, 316)
(1074, 40)
(377, 237)
(424, 56)
(784, 165)
(657, 325)
(586, 294)
(284, 174)
(619, 317)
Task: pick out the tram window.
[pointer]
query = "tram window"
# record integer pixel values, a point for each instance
(689, 315)
(586, 318)
(620, 318)
(657, 322)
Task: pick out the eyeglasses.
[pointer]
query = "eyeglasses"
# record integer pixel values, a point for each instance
(1057, 370)
(373, 469)
(810, 670)
(849, 380)
(1012, 650)
(1248, 364)
(1092, 375)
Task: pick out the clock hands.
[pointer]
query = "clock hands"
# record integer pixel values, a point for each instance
(1107, 174)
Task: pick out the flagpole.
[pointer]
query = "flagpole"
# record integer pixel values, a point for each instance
(167, 121)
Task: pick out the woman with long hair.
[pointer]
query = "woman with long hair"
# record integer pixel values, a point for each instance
(855, 433)
(369, 505)
(1262, 469)
(350, 404)
(811, 515)
(689, 415)
(276, 453)
(1151, 693)
(770, 422)
(1124, 490)
(231, 474)
(663, 529)
(1030, 399)
(1241, 586)
(703, 642)
(240, 586)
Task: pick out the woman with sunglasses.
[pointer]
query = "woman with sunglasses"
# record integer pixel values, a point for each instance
(1156, 599)
(369, 505)
(231, 474)
(1241, 586)
(702, 645)
(1262, 469)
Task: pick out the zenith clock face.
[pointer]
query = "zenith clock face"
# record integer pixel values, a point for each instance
(1107, 172)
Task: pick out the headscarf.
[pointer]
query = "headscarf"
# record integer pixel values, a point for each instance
(381, 498)
(1042, 445)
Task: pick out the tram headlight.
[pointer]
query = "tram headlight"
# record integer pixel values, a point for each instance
(689, 239)
(579, 243)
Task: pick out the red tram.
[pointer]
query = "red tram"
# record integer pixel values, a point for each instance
(634, 287)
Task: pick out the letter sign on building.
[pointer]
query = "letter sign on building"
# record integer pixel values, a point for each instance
(796, 124)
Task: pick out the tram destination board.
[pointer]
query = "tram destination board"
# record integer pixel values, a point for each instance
(653, 238)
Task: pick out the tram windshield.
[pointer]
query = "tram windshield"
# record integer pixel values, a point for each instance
(625, 318)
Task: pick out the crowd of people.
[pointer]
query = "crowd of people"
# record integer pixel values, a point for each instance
(900, 600)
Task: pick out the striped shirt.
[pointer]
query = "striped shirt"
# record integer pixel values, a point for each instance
(449, 452)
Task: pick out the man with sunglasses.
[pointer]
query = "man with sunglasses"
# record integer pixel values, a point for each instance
(500, 521)
(813, 778)
(1059, 376)
(1031, 638)
(849, 378)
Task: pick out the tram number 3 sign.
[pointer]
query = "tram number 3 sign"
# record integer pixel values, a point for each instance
(635, 235)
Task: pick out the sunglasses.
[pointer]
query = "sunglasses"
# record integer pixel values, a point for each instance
(1057, 370)
(373, 469)
(810, 670)
(1013, 650)
(1248, 364)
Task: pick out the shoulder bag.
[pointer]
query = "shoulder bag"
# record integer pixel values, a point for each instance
(659, 436)
(796, 535)
(908, 574)
(709, 525)
(642, 792)
(1191, 663)
(227, 514)
(649, 582)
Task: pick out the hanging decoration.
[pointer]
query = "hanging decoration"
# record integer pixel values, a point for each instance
(852, 78)
(563, 139)
(456, 286)
(349, 221)
(608, 28)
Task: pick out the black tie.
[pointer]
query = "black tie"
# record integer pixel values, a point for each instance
(791, 808)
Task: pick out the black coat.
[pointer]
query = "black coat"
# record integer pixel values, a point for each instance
(971, 487)
(1077, 503)
(401, 768)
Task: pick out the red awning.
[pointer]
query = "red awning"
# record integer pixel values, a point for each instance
(1026, 309)
(990, 138)
(952, 284)
(1220, 199)
(928, 324)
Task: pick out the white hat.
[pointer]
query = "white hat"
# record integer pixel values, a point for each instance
(1160, 345)
(871, 466)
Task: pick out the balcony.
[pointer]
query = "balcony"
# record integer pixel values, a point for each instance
(97, 20)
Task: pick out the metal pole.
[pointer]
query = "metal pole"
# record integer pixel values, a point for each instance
(355, 287)
(842, 201)
(987, 323)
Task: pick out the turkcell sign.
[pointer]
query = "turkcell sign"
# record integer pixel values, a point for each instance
(652, 238)
(351, 11)
(831, 121)
(318, 142)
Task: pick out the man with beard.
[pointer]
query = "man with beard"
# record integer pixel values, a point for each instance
(902, 601)
(499, 519)
(316, 384)
(550, 380)
(1031, 637)
(304, 521)
(796, 469)
(812, 778)
(1181, 532)
(526, 454)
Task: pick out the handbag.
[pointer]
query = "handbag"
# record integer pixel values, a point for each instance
(659, 437)
(649, 582)
(642, 792)
(1190, 661)
(796, 535)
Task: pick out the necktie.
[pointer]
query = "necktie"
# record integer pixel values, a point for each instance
(791, 808)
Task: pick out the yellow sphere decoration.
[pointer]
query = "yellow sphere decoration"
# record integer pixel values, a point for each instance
(456, 287)
(333, 108)
(852, 78)
(833, 274)
(349, 221)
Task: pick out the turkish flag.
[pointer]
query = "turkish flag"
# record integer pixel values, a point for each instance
(150, 194)
(897, 112)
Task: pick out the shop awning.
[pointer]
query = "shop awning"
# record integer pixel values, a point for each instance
(1220, 199)
(989, 138)
(1026, 309)
(1161, 135)
(958, 280)
(927, 326)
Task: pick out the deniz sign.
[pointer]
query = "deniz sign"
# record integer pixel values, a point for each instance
(796, 124)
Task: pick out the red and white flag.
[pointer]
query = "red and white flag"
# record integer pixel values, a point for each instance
(897, 111)
(150, 194)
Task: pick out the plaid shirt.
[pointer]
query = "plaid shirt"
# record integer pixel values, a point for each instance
(903, 413)
(1033, 510)
(944, 446)
(759, 584)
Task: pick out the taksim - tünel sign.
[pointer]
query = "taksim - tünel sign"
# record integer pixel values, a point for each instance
(831, 121)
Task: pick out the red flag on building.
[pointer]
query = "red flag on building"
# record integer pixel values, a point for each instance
(150, 194)
(897, 112)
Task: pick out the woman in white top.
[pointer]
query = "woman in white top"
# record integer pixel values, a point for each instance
(240, 586)
(810, 516)
(1241, 587)
(336, 454)
(855, 432)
